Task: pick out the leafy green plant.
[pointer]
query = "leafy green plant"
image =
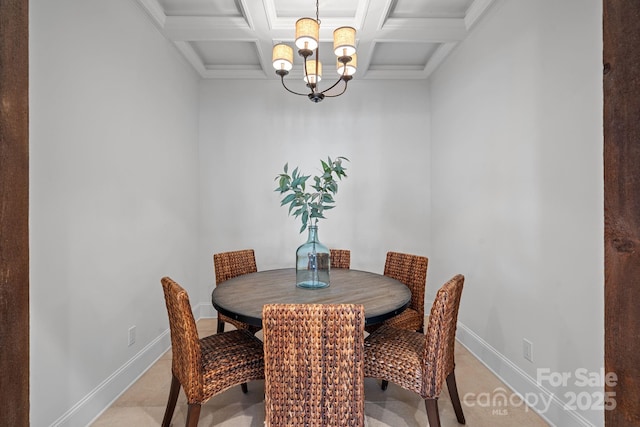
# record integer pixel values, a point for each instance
(311, 205)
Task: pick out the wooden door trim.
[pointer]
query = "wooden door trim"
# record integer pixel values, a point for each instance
(14, 212)
(621, 90)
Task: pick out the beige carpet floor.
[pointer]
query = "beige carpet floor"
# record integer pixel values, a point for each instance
(144, 402)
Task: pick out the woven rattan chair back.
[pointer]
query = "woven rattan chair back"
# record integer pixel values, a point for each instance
(205, 367)
(412, 271)
(314, 368)
(186, 356)
(340, 258)
(441, 335)
(228, 265)
(418, 362)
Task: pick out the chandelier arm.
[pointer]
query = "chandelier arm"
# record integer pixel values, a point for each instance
(337, 94)
(289, 90)
(334, 85)
(343, 78)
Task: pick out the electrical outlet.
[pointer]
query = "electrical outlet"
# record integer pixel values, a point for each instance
(132, 335)
(527, 349)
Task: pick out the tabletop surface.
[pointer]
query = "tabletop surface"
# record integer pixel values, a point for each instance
(242, 297)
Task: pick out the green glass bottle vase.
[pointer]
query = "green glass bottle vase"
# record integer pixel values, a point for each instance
(313, 262)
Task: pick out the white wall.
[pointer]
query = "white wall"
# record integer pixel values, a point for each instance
(493, 170)
(250, 129)
(113, 152)
(517, 186)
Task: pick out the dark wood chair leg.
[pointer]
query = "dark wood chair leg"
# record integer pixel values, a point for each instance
(433, 416)
(244, 388)
(193, 414)
(384, 384)
(455, 398)
(171, 403)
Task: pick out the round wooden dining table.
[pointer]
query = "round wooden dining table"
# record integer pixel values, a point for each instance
(242, 297)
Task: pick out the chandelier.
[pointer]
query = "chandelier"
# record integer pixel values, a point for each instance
(308, 44)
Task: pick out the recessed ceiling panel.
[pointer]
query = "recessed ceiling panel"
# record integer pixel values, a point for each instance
(307, 8)
(402, 54)
(227, 53)
(226, 8)
(396, 39)
(430, 8)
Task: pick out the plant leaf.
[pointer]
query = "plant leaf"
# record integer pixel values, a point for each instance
(311, 205)
(288, 199)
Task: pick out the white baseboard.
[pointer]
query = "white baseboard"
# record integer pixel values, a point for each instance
(549, 406)
(89, 408)
(205, 310)
(99, 399)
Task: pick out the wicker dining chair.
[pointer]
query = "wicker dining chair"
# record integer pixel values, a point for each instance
(314, 364)
(208, 366)
(340, 258)
(228, 265)
(418, 362)
(412, 271)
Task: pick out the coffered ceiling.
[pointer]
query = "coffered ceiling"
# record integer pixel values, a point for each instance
(396, 39)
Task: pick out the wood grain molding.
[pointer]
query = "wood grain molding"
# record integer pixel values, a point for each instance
(621, 83)
(14, 212)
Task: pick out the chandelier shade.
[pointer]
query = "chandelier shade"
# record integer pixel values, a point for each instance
(344, 41)
(348, 69)
(307, 33)
(313, 73)
(307, 40)
(282, 57)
